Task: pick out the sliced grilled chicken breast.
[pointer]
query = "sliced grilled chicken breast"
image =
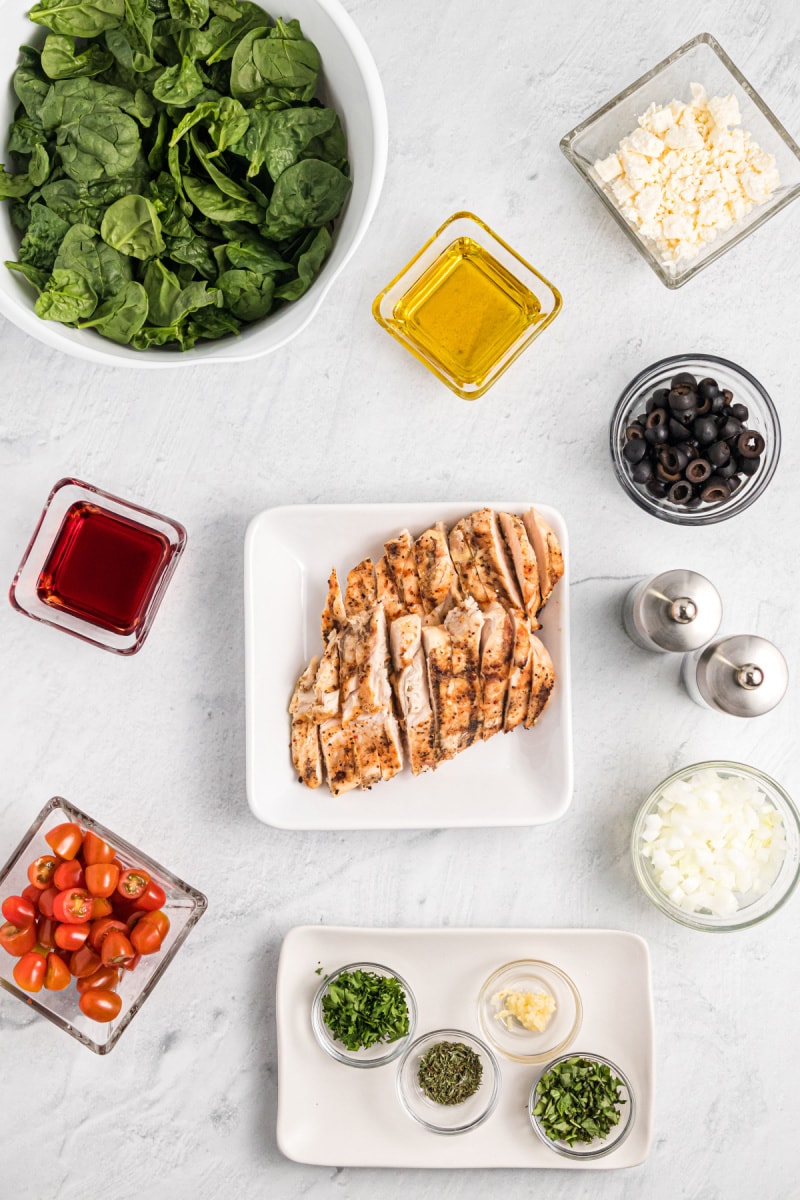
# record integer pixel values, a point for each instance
(361, 593)
(410, 681)
(386, 591)
(526, 567)
(333, 614)
(339, 755)
(438, 581)
(497, 644)
(547, 550)
(306, 754)
(401, 563)
(519, 678)
(463, 558)
(438, 657)
(464, 625)
(326, 683)
(368, 763)
(491, 558)
(544, 678)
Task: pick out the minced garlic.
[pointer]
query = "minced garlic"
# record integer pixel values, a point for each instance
(533, 1010)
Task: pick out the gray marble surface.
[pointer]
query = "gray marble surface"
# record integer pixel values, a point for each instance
(154, 745)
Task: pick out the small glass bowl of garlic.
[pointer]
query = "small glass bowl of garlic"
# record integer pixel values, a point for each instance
(529, 1010)
(716, 846)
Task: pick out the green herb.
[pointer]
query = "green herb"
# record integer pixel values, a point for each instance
(578, 1100)
(174, 177)
(450, 1072)
(362, 1009)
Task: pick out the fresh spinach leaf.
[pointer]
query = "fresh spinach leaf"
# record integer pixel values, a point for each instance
(132, 226)
(121, 316)
(287, 62)
(180, 85)
(169, 301)
(44, 235)
(215, 205)
(103, 267)
(309, 265)
(34, 275)
(67, 297)
(79, 18)
(308, 194)
(255, 254)
(60, 60)
(192, 12)
(22, 184)
(29, 82)
(248, 294)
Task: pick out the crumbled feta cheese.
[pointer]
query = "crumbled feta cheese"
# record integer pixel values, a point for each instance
(688, 173)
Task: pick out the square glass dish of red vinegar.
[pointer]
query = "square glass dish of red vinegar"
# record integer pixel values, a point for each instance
(97, 566)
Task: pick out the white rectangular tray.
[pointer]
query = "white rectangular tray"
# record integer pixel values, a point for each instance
(330, 1114)
(524, 778)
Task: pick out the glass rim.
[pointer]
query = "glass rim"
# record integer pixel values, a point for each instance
(624, 1128)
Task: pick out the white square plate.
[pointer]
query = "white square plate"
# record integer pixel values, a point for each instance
(332, 1115)
(522, 779)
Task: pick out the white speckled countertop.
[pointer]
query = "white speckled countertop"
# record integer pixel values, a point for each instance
(153, 746)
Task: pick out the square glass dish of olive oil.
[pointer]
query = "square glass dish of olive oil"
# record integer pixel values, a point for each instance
(467, 305)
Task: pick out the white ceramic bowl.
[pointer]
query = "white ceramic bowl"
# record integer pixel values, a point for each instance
(350, 84)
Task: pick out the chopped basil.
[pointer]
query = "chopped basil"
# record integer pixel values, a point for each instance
(578, 1100)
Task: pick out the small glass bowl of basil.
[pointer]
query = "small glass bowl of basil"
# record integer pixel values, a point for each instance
(449, 1081)
(364, 1015)
(582, 1106)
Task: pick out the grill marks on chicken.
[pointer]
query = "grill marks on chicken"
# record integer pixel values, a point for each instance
(430, 649)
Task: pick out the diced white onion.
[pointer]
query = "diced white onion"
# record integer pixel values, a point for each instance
(715, 844)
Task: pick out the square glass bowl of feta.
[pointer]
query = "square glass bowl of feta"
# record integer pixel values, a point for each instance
(688, 160)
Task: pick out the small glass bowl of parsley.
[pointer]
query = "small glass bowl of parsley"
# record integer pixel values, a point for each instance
(582, 1106)
(364, 1015)
(449, 1081)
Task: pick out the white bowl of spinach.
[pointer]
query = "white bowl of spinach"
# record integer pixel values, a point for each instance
(184, 179)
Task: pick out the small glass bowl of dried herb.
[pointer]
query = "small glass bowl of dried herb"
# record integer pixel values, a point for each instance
(364, 1015)
(582, 1106)
(448, 1081)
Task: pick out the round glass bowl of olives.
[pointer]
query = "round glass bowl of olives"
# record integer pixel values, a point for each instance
(695, 439)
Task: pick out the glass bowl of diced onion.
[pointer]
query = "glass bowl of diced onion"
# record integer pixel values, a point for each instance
(716, 846)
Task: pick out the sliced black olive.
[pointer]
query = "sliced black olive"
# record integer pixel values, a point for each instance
(708, 388)
(727, 395)
(730, 428)
(658, 399)
(734, 483)
(750, 444)
(672, 458)
(656, 435)
(635, 450)
(691, 451)
(727, 470)
(681, 492)
(678, 432)
(719, 454)
(684, 377)
(667, 476)
(698, 471)
(740, 411)
(633, 432)
(657, 488)
(716, 493)
(703, 407)
(749, 466)
(656, 418)
(718, 404)
(705, 430)
(642, 472)
(681, 398)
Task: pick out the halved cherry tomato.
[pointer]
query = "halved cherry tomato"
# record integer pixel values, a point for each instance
(102, 928)
(65, 840)
(100, 1005)
(148, 934)
(18, 910)
(154, 897)
(73, 906)
(47, 899)
(133, 884)
(42, 870)
(17, 939)
(45, 934)
(71, 937)
(57, 975)
(29, 972)
(102, 879)
(133, 964)
(84, 962)
(32, 894)
(104, 977)
(117, 950)
(95, 850)
(69, 875)
(101, 908)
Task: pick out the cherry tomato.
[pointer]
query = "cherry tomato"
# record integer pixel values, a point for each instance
(133, 964)
(134, 919)
(102, 879)
(42, 870)
(116, 950)
(102, 928)
(133, 884)
(160, 921)
(73, 906)
(71, 937)
(68, 875)
(65, 840)
(19, 910)
(45, 934)
(95, 850)
(154, 897)
(104, 977)
(29, 972)
(101, 908)
(100, 1005)
(17, 939)
(84, 962)
(32, 894)
(146, 939)
(57, 976)
(47, 899)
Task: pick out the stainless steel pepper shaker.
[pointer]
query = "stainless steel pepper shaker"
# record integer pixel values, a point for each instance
(742, 675)
(676, 611)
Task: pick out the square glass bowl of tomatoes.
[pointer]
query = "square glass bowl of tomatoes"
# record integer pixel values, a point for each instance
(89, 924)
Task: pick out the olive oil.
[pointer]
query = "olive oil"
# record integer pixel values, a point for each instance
(466, 311)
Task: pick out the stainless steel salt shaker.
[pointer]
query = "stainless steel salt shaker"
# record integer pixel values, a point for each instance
(744, 675)
(676, 611)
